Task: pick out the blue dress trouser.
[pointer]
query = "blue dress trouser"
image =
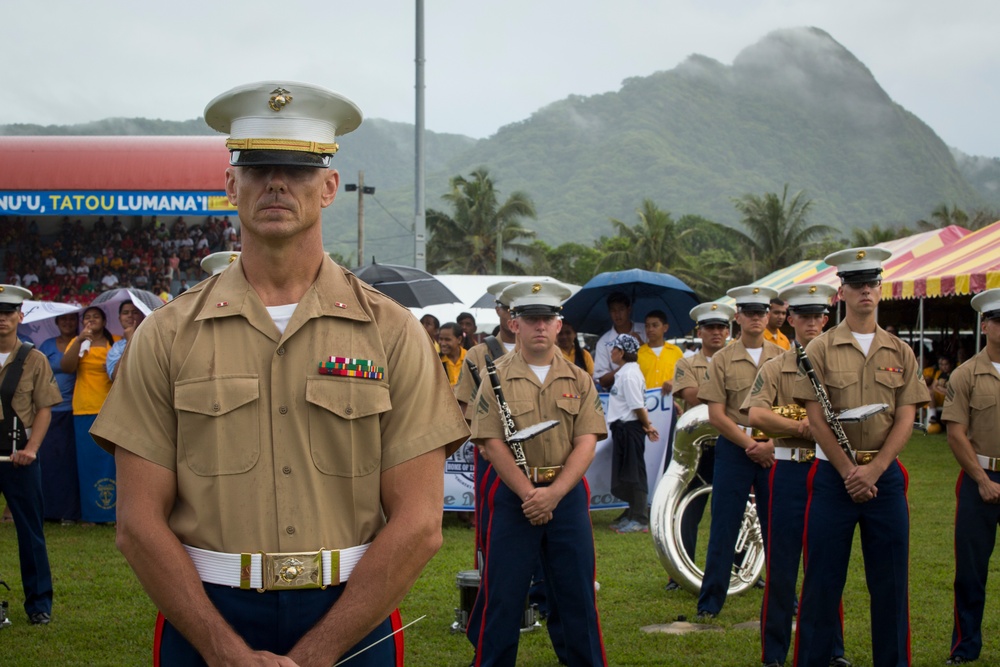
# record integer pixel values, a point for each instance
(539, 594)
(513, 547)
(975, 536)
(275, 621)
(831, 519)
(735, 475)
(22, 487)
(788, 493)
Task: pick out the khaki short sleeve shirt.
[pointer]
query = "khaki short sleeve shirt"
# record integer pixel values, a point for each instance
(974, 400)
(35, 390)
(887, 375)
(774, 385)
(567, 395)
(731, 375)
(270, 454)
(690, 372)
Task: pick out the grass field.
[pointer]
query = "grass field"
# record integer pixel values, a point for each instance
(102, 616)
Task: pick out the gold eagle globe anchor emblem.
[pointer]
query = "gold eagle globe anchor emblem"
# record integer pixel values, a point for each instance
(279, 99)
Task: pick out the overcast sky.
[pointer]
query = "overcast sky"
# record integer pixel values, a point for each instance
(488, 63)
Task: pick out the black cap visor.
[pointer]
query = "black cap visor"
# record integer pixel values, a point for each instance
(808, 309)
(855, 277)
(535, 310)
(753, 307)
(239, 158)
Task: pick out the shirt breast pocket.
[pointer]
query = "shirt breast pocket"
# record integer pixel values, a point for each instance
(889, 379)
(980, 403)
(570, 406)
(345, 424)
(843, 388)
(217, 424)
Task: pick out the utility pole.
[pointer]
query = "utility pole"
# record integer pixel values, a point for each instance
(419, 214)
(362, 191)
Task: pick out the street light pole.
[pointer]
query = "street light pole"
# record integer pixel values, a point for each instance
(362, 191)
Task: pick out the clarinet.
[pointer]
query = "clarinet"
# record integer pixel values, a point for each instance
(474, 372)
(824, 401)
(509, 428)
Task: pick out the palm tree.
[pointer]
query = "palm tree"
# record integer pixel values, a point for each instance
(777, 231)
(655, 244)
(943, 216)
(467, 240)
(862, 238)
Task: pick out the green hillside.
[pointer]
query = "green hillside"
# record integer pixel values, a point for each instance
(796, 108)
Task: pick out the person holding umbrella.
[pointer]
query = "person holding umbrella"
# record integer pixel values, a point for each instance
(87, 355)
(620, 310)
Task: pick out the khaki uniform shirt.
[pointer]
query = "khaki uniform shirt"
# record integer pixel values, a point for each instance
(35, 390)
(270, 455)
(775, 385)
(887, 375)
(465, 388)
(567, 395)
(974, 400)
(690, 372)
(730, 376)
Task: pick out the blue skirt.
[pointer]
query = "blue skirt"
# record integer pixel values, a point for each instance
(98, 490)
(60, 481)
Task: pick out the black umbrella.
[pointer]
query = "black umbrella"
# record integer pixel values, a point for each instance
(409, 286)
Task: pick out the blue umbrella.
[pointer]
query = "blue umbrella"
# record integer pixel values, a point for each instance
(587, 310)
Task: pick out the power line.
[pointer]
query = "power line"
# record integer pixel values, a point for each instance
(389, 213)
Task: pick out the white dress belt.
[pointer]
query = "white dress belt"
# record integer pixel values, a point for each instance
(988, 463)
(797, 454)
(226, 569)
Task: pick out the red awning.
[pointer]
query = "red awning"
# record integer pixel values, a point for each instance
(113, 163)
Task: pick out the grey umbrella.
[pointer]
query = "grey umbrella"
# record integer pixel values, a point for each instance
(409, 286)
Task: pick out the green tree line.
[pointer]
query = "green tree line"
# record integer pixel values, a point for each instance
(483, 233)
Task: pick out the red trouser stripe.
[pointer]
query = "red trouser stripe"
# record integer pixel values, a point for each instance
(157, 637)
(805, 549)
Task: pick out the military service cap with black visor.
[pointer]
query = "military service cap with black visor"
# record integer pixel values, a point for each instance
(539, 299)
(857, 266)
(282, 123)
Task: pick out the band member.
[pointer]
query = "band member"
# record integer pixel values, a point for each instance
(858, 363)
(794, 452)
(543, 508)
(465, 392)
(28, 390)
(740, 461)
(973, 420)
(690, 373)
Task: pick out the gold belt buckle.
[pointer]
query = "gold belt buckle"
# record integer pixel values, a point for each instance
(994, 464)
(803, 455)
(864, 458)
(296, 571)
(545, 474)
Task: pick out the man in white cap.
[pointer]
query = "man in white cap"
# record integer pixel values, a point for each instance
(858, 363)
(218, 262)
(295, 423)
(794, 452)
(465, 391)
(972, 415)
(741, 462)
(542, 508)
(28, 390)
(690, 374)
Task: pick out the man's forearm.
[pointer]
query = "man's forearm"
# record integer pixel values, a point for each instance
(163, 567)
(412, 496)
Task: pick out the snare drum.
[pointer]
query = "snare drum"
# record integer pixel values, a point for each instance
(468, 587)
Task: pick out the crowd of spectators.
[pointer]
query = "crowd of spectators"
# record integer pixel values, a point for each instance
(76, 263)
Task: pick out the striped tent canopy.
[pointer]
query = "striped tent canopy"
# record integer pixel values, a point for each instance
(967, 265)
(904, 251)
